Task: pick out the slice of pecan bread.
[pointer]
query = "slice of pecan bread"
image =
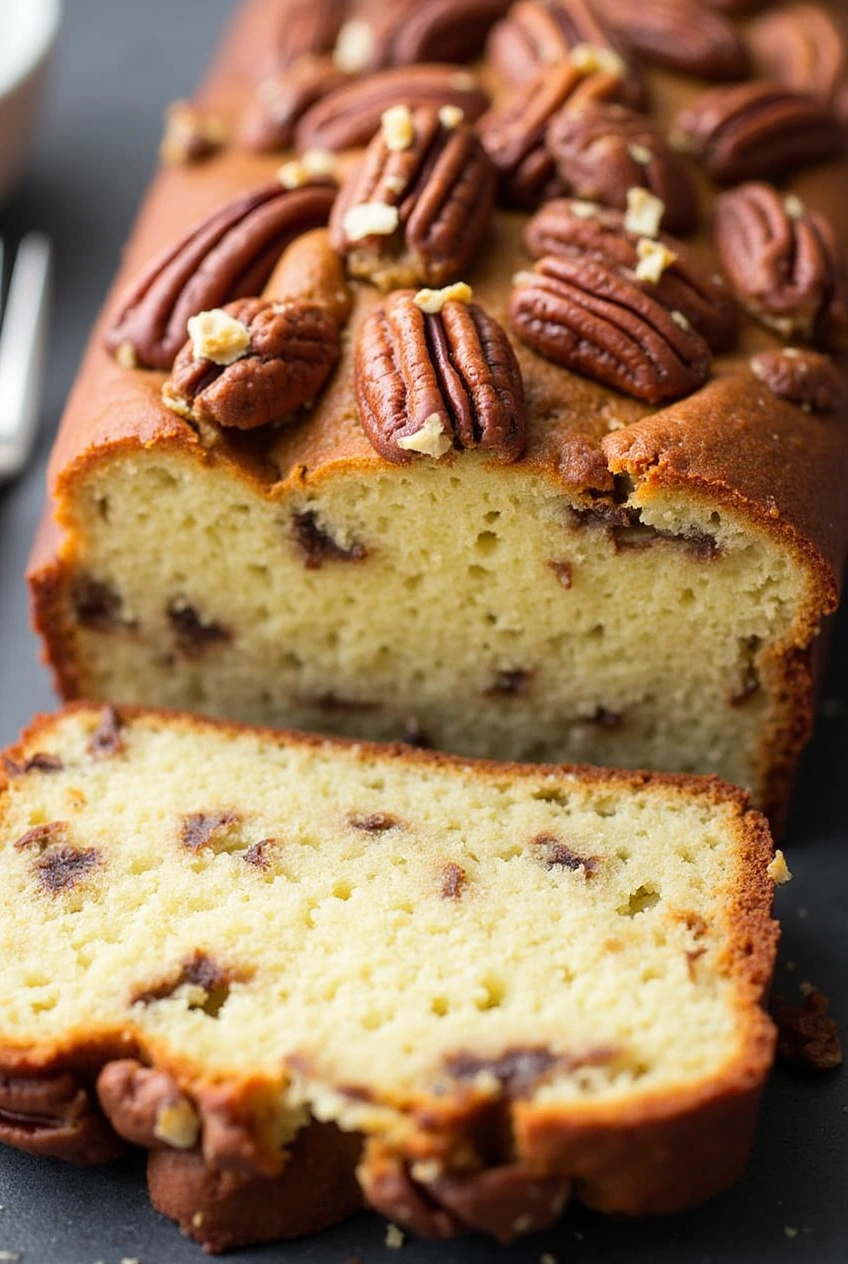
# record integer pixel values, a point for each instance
(271, 958)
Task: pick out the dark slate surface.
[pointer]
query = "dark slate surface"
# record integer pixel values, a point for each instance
(118, 64)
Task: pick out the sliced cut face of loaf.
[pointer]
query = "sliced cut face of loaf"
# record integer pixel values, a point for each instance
(511, 981)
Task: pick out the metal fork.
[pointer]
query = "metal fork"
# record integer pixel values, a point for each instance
(23, 342)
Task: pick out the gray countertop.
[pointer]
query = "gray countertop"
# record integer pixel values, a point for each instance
(118, 64)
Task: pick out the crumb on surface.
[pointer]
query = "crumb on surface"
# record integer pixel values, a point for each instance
(395, 1237)
(778, 870)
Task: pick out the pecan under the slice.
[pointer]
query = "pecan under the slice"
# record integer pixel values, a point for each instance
(407, 32)
(679, 34)
(280, 101)
(427, 381)
(806, 378)
(783, 262)
(580, 313)
(229, 255)
(145, 1106)
(291, 349)
(681, 283)
(514, 133)
(757, 130)
(805, 47)
(603, 150)
(441, 187)
(52, 1114)
(351, 115)
(538, 34)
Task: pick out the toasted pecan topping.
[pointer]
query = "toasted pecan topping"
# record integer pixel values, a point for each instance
(679, 34)
(190, 135)
(426, 383)
(229, 255)
(604, 150)
(280, 102)
(757, 130)
(407, 32)
(415, 212)
(806, 378)
(351, 115)
(540, 34)
(783, 262)
(514, 133)
(561, 228)
(805, 47)
(278, 359)
(580, 313)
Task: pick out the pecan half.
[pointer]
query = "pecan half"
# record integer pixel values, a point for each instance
(782, 261)
(441, 188)
(805, 47)
(756, 130)
(229, 255)
(565, 227)
(679, 34)
(406, 32)
(580, 313)
(806, 378)
(291, 349)
(538, 34)
(514, 133)
(604, 150)
(52, 1114)
(305, 27)
(145, 1106)
(427, 381)
(351, 115)
(280, 101)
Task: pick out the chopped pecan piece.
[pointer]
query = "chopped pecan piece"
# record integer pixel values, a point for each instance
(407, 32)
(582, 314)
(805, 378)
(280, 101)
(807, 1035)
(569, 228)
(783, 262)
(504, 1201)
(805, 47)
(757, 130)
(514, 134)
(678, 34)
(454, 880)
(208, 829)
(106, 739)
(229, 255)
(41, 761)
(290, 350)
(374, 822)
(540, 34)
(430, 378)
(603, 150)
(351, 115)
(440, 187)
(558, 855)
(319, 546)
(190, 135)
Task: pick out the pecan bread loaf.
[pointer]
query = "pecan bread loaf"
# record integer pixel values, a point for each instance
(494, 406)
(527, 953)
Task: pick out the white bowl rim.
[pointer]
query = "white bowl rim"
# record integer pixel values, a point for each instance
(44, 16)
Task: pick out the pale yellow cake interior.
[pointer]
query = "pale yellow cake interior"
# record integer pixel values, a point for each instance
(363, 956)
(484, 617)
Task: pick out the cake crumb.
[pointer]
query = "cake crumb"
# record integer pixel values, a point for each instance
(395, 1237)
(778, 870)
(432, 301)
(370, 219)
(217, 336)
(197, 1219)
(803, 912)
(397, 127)
(654, 258)
(547, 1258)
(450, 116)
(807, 1036)
(644, 212)
(790, 1232)
(430, 439)
(10, 1255)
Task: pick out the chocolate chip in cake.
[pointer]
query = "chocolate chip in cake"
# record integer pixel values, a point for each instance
(562, 570)
(518, 1070)
(198, 971)
(330, 701)
(60, 868)
(603, 718)
(208, 829)
(454, 881)
(257, 853)
(98, 604)
(39, 762)
(318, 546)
(414, 734)
(194, 636)
(558, 855)
(374, 822)
(510, 683)
(106, 739)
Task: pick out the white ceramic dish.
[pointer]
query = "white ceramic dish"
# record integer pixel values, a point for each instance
(28, 30)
